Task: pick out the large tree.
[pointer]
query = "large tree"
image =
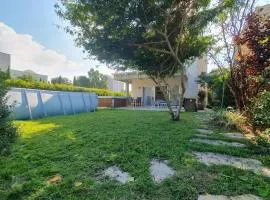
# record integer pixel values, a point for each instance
(60, 80)
(153, 36)
(96, 79)
(82, 81)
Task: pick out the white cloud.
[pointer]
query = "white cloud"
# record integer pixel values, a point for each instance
(29, 54)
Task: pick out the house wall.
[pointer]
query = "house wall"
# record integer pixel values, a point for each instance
(114, 85)
(192, 88)
(138, 84)
(4, 61)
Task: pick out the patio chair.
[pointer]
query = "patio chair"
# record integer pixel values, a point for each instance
(160, 103)
(139, 101)
(136, 101)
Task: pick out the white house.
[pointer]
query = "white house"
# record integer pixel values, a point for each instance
(144, 88)
(114, 85)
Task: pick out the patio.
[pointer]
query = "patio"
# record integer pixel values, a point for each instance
(148, 108)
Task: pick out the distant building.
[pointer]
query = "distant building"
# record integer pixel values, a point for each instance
(5, 62)
(114, 85)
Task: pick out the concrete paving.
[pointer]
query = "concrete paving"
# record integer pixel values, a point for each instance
(218, 142)
(237, 162)
(204, 131)
(160, 170)
(221, 197)
(115, 173)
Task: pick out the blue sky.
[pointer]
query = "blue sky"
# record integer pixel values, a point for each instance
(29, 33)
(38, 19)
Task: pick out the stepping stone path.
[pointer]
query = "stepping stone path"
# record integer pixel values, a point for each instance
(204, 131)
(217, 142)
(201, 135)
(221, 197)
(117, 174)
(219, 159)
(233, 135)
(160, 170)
(241, 163)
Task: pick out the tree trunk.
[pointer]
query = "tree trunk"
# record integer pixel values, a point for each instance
(223, 91)
(175, 115)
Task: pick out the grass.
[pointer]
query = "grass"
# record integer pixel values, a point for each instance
(78, 147)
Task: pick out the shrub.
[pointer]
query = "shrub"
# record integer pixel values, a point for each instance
(260, 110)
(59, 87)
(227, 119)
(201, 96)
(7, 131)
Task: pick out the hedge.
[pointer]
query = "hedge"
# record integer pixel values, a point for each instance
(59, 87)
(261, 110)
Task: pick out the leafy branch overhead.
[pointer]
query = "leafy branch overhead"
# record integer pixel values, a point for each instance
(151, 36)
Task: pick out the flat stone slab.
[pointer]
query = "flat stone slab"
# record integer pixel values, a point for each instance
(237, 162)
(217, 142)
(221, 197)
(115, 173)
(201, 135)
(160, 170)
(204, 131)
(237, 135)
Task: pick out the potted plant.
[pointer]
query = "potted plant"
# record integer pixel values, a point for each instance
(201, 99)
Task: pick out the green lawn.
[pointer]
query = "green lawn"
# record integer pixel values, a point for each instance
(78, 147)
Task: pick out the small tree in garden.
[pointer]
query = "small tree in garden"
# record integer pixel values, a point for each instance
(156, 37)
(251, 73)
(230, 23)
(7, 131)
(217, 84)
(201, 97)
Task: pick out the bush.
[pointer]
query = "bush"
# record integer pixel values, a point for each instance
(260, 110)
(201, 96)
(59, 87)
(7, 131)
(227, 119)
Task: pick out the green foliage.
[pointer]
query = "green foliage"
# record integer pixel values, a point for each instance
(96, 79)
(60, 80)
(260, 110)
(159, 38)
(26, 77)
(218, 118)
(81, 81)
(215, 80)
(227, 119)
(7, 131)
(153, 36)
(201, 95)
(59, 87)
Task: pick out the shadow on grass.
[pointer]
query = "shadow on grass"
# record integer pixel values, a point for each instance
(78, 147)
